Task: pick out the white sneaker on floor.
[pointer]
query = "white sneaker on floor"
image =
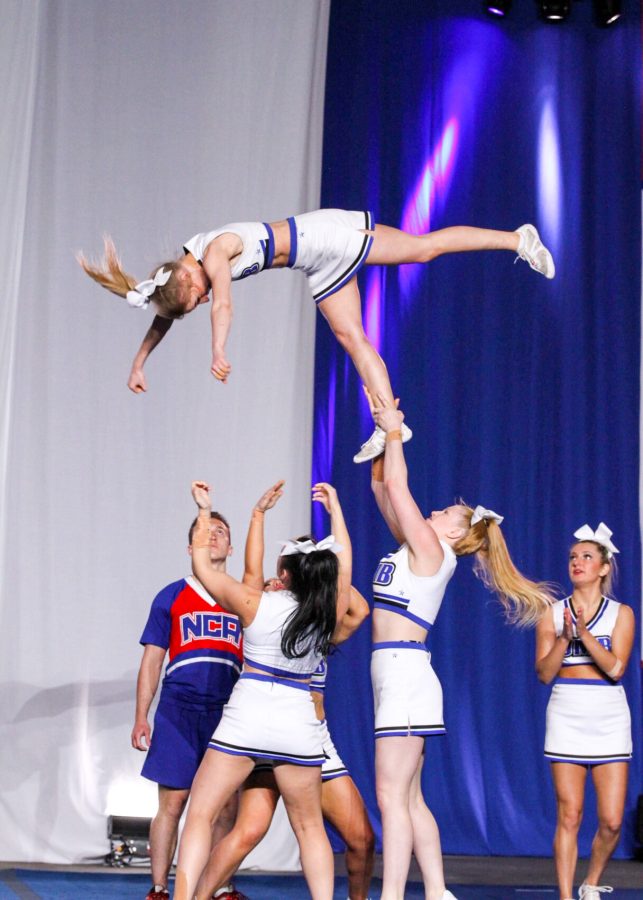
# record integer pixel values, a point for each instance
(534, 252)
(376, 444)
(447, 895)
(592, 891)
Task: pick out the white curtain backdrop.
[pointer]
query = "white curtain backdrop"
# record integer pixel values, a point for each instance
(150, 121)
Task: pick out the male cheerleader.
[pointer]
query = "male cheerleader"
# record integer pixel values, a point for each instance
(205, 659)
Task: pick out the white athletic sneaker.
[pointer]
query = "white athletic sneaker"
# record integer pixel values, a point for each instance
(533, 251)
(591, 891)
(447, 895)
(376, 444)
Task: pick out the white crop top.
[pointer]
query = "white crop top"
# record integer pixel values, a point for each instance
(256, 254)
(416, 597)
(262, 639)
(600, 626)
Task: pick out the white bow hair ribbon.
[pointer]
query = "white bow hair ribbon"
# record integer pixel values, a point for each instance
(601, 536)
(139, 298)
(289, 548)
(481, 513)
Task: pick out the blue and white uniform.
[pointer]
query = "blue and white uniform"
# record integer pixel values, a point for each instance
(272, 715)
(588, 720)
(333, 766)
(406, 690)
(204, 644)
(328, 245)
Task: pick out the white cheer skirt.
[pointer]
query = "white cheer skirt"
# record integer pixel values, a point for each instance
(588, 722)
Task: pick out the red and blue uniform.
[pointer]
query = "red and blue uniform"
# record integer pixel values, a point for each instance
(204, 643)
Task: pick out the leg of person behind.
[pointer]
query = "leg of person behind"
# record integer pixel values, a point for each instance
(163, 834)
(610, 781)
(396, 761)
(219, 776)
(257, 805)
(300, 786)
(569, 785)
(343, 807)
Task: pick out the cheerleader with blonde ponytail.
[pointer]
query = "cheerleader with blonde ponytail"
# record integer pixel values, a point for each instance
(330, 246)
(408, 588)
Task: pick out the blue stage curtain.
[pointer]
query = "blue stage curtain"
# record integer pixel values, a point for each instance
(523, 393)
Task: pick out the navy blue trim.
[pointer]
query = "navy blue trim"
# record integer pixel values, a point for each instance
(292, 254)
(600, 612)
(354, 267)
(399, 645)
(409, 731)
(591, 681)
(253, 676)
(273, 670)
(252, 752)
(588, 760)
(335, 773)
(269, 249)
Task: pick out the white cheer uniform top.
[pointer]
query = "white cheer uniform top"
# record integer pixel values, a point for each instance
(257, 252)
(600, 626)
(262, 639)
(416, 597)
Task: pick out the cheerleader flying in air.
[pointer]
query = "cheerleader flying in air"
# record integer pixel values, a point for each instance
(329, 246)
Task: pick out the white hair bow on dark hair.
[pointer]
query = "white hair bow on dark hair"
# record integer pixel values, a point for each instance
(601, 536)
(139, 298)
(289, 548)
(481, 513)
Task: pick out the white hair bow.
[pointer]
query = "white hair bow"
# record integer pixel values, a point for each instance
(140, 296)
(601, 536)
(289, 548)
(481, 513)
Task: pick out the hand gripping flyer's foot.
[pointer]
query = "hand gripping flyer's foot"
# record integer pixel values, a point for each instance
(534, 252)
(376, 444)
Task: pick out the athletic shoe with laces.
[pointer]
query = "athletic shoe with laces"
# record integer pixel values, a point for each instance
(158, 892)
(376, 444)
(534, 252)
(592, 891)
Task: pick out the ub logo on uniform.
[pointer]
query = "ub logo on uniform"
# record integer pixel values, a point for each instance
(384, 572)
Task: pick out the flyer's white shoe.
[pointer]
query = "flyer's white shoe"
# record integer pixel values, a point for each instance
(592, 891)
(534, 252)
(376, 444)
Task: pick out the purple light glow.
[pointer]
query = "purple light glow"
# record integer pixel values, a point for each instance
(549, 175)
(435, 179)
(495, 11)
(372, 310)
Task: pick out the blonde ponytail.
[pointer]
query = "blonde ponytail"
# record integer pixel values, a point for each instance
(524, 601)
(109, 273)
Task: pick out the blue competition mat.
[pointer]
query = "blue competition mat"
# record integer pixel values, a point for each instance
(40, 885)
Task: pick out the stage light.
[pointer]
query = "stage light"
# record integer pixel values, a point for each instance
(554, 10)
(499, 8)
(607, 11)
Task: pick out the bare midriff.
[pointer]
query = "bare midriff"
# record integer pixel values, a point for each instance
(390, 626)
(583, 671)
(247, 668)
(281, 231)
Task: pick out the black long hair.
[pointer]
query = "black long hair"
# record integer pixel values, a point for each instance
(313, 581)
